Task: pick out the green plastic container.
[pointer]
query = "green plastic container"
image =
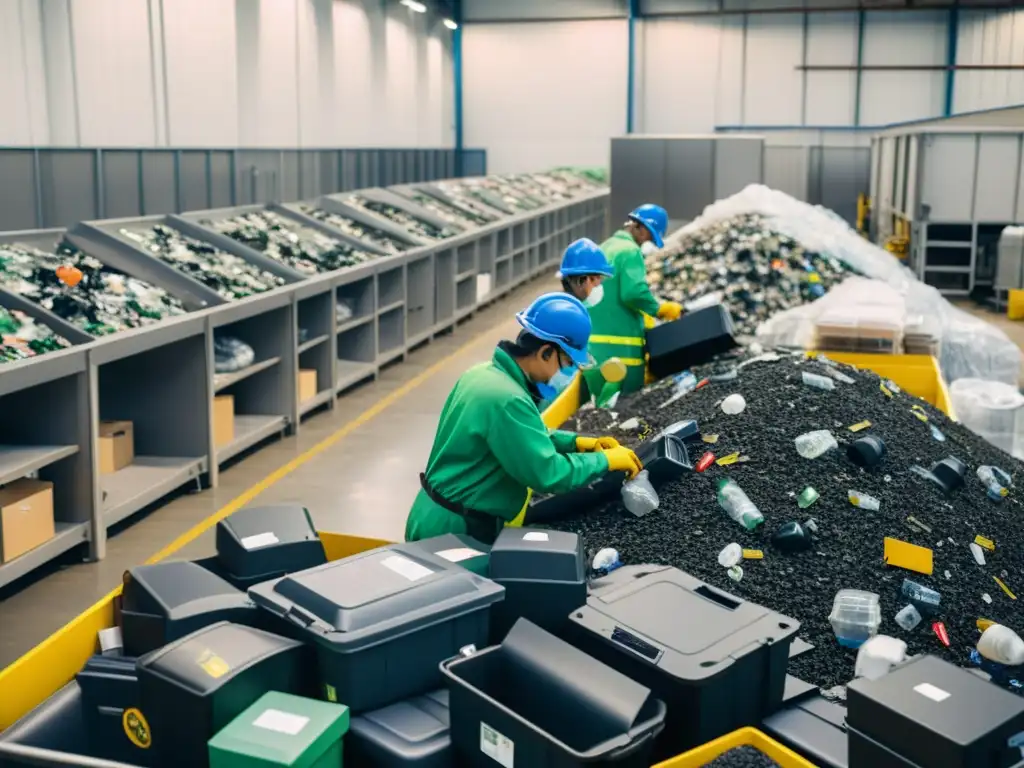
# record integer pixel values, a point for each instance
(281, 730)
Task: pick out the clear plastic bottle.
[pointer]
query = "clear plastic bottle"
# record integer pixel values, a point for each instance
(738, 505)
(856, 616)
(863, 500)
(908, 617)
(997, 483)
(816, 381)
(811, 445)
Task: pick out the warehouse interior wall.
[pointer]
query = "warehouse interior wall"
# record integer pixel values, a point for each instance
(224, 73)
(989, 37)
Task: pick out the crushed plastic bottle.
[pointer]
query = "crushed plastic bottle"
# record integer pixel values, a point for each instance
(891, 385)
(924, 599)
(639, 496)
(811, 525)
(863, 501)
(978, 553)
(738, 505)
(908, 617)
(997, 482)
(987, 598)
(807, 497)
(840, 376)
(734, 404)
(735, 573)
(606, 561)
(937, 433)
(816, 381)
(731, 555)
(878, 655)
(811, 445)
(914, 522)
(856, 616)
(1001, 645)
(630, 424)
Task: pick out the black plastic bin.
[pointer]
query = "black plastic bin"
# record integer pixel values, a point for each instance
(544, 574)
(163, 602)
(195, 686)
(381, 621)
(262, 543)
(536, 702)
(693, 339)
(717, 661)
(410, 734)
(932, 714)
(110, 687)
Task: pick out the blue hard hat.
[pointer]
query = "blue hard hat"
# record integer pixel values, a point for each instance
(584, 257)
(655, 218)
(561, 319)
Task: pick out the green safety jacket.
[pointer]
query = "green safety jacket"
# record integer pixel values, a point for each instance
(618, 320)
(490, 450)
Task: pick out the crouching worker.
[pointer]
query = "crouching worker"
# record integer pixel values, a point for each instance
(492, 447)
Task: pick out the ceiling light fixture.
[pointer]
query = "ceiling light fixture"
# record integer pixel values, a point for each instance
(451, 24)
(412, 5)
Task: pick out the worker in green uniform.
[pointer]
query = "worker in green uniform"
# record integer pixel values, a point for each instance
(618, 315)
(492, 449)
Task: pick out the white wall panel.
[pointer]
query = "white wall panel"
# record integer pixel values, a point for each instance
(398, 127)
(357, 62)
(666, 101)
(276, 119)
(773, 86)
(113, 72)
(202, 80)
(434, 125)
(16, 125)
(830, 96)
(538, 95)
(989, 37)
(511, 10)
(731, 66)
(910, 38)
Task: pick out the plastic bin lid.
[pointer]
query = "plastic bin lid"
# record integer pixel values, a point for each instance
(689, 630)
(453, 547)
(361, 600)
(256, 540)
(177, 590)
(210, 657)
(528, 553)
(416, 727)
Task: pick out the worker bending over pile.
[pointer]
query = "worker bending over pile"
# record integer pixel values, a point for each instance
(492, 449)
(617, 312)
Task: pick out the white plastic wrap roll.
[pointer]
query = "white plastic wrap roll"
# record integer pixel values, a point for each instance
(992, 409)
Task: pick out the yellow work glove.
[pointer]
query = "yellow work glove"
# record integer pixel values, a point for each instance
(648, 321)
(670, 310)
(621, 459)
(591, 444)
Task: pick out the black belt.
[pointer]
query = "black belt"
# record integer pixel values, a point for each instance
(453, 506)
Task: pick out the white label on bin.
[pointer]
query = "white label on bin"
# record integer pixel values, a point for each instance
(405, 567)
(281, 722)
(259, 540)
(459, 554)
(535, 536)
(496, 746)
(933, 693)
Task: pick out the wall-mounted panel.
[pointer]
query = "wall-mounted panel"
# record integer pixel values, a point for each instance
(503, 10)
(193, 183)
(16, 127)
(122, 192)
(666, 102)
(947, 177)
(18, 192)
(689, 177)
(999, 163)
(68, 187)
(159, 182)
(830, 96)
(787, 169)
(994, 37)
(738, 162)
(773, 84)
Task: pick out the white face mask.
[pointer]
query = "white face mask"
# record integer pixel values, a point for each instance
(648, 248)
(595, 297)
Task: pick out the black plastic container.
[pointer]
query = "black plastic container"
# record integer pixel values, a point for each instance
(932, 714)
(866, 451)
(536, 701)
(814, 728)
(666, 459)
(544, 574)
(457, 548)
(717, 661)
(411, 734)
(166, 601)
(110, 687)
(261, 543)
(949, 473)
(688, 431)
(693, 339)
(381, 621)
(195, 686)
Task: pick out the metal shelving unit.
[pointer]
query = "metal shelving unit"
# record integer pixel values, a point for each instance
(162, 377)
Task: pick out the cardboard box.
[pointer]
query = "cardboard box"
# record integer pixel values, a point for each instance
(26, 517)
(116, 445)
(223, 420)
(307, 385)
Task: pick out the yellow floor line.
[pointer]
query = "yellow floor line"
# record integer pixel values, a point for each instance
(279, 474)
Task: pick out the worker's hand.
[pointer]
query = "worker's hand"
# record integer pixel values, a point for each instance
(670, 310)
(591, 444)
(649, 322)
(621, 459)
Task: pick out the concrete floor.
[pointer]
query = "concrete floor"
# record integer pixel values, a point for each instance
(363, 482)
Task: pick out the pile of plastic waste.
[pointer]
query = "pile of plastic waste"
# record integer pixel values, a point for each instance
(355, 229)
(416, 226)
(22, 337)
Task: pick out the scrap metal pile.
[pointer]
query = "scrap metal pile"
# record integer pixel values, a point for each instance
(757, 270)
(79, 289)
(273, 235)
(935, 485)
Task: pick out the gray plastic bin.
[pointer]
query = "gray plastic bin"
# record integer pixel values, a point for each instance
(536, 702)
(471, 554)
(197, 685)
(262, 543)
(544, 574)
(163, 602)
(409, 734)
(382, 621)
(717, 661)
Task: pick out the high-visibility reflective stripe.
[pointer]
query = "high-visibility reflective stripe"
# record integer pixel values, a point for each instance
(629, 341)
(632, 361)
(517, 521)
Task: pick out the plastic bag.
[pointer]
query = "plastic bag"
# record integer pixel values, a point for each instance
(231, 354)
(992, 409)
(639, 496)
